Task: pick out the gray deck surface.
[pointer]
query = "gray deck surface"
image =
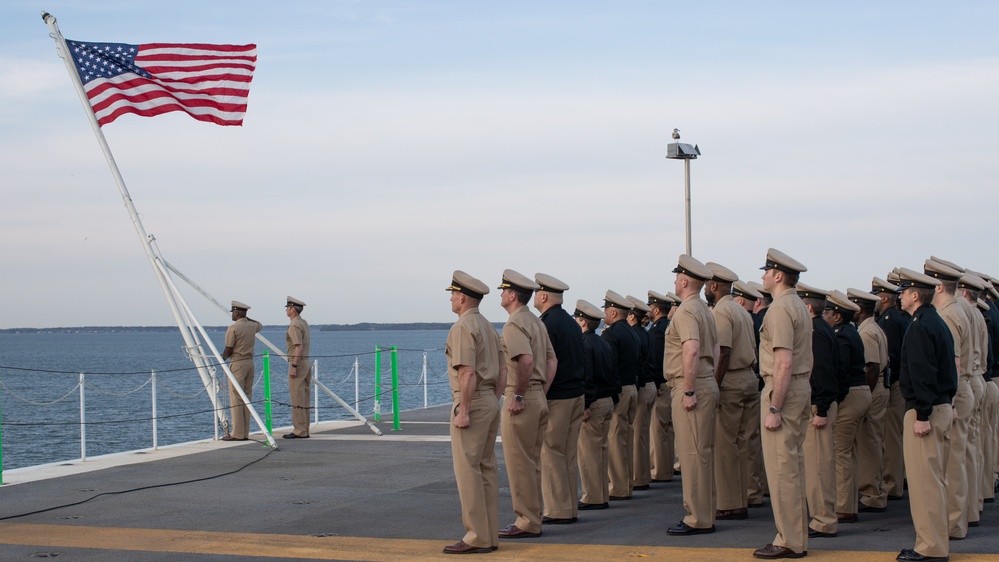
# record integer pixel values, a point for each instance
(350, 483)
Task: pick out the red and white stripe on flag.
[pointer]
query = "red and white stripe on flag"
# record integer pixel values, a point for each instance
(208, 82)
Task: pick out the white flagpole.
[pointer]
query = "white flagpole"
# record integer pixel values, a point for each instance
(193, 346)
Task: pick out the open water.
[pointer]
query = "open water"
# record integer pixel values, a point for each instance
(40, 392)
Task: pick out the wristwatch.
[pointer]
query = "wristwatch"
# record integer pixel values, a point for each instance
(774, 410)
(689, 393)
(518, 397)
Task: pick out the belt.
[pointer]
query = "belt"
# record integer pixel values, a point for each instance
(797, 376)
(859, 386)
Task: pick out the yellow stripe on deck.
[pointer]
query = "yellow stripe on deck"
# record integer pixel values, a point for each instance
(358, 548)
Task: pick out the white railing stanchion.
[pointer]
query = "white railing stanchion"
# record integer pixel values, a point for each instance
(315, 390)
(155, 427)
(83, 420)
(357, 386)
(425, 380)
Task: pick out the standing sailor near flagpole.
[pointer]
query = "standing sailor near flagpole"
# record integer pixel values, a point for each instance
(239, 340)
(299, 369)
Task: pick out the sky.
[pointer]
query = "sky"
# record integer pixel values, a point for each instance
(387, 144)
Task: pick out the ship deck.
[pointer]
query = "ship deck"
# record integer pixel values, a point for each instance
(346, 494)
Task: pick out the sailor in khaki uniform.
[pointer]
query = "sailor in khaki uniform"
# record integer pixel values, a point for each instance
(299, 369)
(871, 436)
(746, 296)
(625, 346)
(476, 371)
(239, 340)
(928, 379)
(853, 406)
(691, 352)
(785, 364)
(602, 389)
(991, 400)
(738, 391)
(559, 481)
(960, 466)
(646, 397)
(827, 381)
(662, 451)
(893, 323)
(531, 365)
(968, 287)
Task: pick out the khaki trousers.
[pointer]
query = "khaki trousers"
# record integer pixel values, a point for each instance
(473, 453)
(852, 410)
(784, 456)
(957, 459)
(734, 417)
(894, 463)
(242, 371)
(523, 434)
(756, 478)
(559, 478)
(870, 449)
(300, 389)
(620, 464)
(593, 452)
(820, 474)
(662, 449)
(975, 455)
(640, 453)
(990, 448)
(695, 439)
(925, 461)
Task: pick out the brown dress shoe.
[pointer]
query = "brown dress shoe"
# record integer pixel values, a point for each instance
(461, 547)
(725, 514)
(846, 517)
(514, 532)
(771, 552)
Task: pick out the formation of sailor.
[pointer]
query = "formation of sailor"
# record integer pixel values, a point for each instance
(846, 398)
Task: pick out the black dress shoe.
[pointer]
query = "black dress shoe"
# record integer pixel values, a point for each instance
(864, 508)
(682, 529)
(514, 532)
(658, 481)
(293, 436)
(973, 523)
(756, 505)
(584, 506)
(558, 520)
(461, 547)
(909, 554)
(990, 500)
(620, 498)
(813, 534)
(643, 487)
(771, 552)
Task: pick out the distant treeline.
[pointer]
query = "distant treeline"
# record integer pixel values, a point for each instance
(362, 327)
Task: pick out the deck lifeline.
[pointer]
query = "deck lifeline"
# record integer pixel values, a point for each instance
(368, 498)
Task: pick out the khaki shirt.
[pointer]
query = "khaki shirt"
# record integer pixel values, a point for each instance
(736, 332)
(691, 321)
(240, 337)
(960, 328)
(525, 334)
(298, 334)
(979, 335)
(787, 325)
(875, 343)
(473, 342)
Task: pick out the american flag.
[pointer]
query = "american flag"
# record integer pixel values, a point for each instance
(208, 82)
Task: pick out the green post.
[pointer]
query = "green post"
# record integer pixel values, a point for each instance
(395, 388)
(378, 383)
(267, 392)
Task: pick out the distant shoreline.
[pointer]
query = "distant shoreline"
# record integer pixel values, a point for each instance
(361, 327)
